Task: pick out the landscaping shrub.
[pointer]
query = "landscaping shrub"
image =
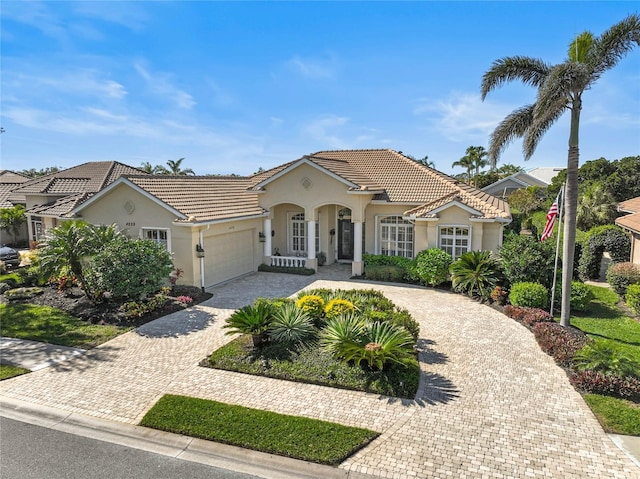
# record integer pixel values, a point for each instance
(13, 280)
(431, 266)
(600, 356)
(254, 320)
(532, 295)
(403, 318)
(394, 274)
(525, 259)
(607, 384)
(291, 325)
(313, 305)
(273, 303)
(559, 342)
(515, 312)
(126, 268)
(286, 269)
(338, 307)
(580, 298)
(384, 260)
(475, 273)
(527, 316)
(633, 298)
(137, 309)
(621, 275)
(609, 238)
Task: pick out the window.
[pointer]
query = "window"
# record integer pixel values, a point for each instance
(396, 236)
(455, 240)
(158, 235)
(298, 234)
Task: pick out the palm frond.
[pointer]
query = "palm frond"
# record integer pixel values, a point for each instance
(515, 125)
(541, 123)
(613, 45)
(531, 71)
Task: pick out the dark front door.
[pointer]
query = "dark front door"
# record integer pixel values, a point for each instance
(345, 239)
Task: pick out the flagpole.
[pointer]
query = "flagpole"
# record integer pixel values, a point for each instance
(555, 266)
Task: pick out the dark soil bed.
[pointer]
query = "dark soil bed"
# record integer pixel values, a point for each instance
(74, 302)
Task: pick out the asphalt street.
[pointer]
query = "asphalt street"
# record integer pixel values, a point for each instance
(33, 452)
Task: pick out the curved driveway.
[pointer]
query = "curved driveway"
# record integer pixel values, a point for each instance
(490, 403)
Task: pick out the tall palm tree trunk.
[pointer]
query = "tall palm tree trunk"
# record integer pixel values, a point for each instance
(571, 207)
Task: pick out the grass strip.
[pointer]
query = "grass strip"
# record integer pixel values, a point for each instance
(617, 416)
(51, 325)
(290, 436)
(7, 371)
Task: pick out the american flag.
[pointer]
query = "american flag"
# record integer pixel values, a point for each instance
(551, 219)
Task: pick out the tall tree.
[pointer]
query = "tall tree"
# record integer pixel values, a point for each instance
(478, 156)
(467, 163)
(174, 168)
(12, 219)
(559, 89)
(33, 173)
(596, 207)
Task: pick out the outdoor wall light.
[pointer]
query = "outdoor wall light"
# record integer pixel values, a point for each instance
(261, 237)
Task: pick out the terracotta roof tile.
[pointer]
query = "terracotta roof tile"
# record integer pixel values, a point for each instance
(630, 222)
(631, 206)
(205, 198)
(61, 207)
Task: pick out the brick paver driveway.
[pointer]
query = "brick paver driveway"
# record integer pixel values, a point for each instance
(490, 404)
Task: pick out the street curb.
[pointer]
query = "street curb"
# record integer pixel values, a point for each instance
(268, 466)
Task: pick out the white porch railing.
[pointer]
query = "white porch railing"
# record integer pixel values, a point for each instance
(289, 261)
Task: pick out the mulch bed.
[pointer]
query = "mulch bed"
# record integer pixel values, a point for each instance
(74, 302)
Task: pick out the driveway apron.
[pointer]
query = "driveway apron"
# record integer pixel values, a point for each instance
(490, 402)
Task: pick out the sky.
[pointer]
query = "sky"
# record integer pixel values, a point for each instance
(237, 86)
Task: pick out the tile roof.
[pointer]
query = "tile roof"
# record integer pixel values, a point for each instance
(203, 198)
(402, 179)
(630, 222)
(8, 176)
(72, 185)
(9, 181)
(630, 206)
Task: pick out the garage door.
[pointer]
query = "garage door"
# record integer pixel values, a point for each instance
(229, 256)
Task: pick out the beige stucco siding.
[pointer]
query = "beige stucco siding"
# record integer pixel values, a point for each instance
(374, 211)
(491, 236)
(635, 248)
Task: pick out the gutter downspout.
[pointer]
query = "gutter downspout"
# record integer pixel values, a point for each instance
(201, 240)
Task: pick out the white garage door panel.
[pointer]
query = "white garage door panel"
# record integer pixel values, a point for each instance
(228, 256)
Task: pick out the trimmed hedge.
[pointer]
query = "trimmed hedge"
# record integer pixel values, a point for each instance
(532, 295)
(391, 273)
(431, 266)
(633, 298)
(286, 269)
(621, 275)
(609, 238)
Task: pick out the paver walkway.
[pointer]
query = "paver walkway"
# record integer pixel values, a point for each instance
(490, 404)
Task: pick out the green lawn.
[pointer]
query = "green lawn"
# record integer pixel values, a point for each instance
(606, 322)
(291, 436)
(50, 325)
(7, 371)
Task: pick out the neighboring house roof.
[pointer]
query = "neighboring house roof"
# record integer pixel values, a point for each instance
(631, 221)
(519, 178)
(396, 179)
(71, 186)
(546, 173)
(193, 199)
(9, 181)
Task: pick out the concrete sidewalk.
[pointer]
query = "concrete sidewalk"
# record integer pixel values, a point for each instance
(34, 355)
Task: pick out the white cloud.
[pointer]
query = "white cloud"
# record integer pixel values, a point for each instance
(323, 130)
(313, 68)
(126, 14)
(462, 117)
(161, 85)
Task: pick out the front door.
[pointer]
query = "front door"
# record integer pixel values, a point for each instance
(345, 239)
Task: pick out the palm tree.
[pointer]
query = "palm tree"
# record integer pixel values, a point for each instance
(560, 88)
(596, 206)
(465, 162)
(174, 168)
(478, 156)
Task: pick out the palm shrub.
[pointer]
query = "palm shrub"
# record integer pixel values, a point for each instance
(600, 356)
(254, 320)
(376, 343)
(431, 266)
(475, 273)
(528, 294)
(633, 298)
(291, 325)
(621, 275)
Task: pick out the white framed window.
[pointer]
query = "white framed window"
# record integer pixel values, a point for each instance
(396, 236)
(455, 240)
(298, 236)
(159, 235)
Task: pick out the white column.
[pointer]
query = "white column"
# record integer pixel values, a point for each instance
(357, 266)
(311, 239)
(267, 233)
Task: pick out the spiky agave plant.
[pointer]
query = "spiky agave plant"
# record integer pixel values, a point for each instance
(291, 325)
(475, 273)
